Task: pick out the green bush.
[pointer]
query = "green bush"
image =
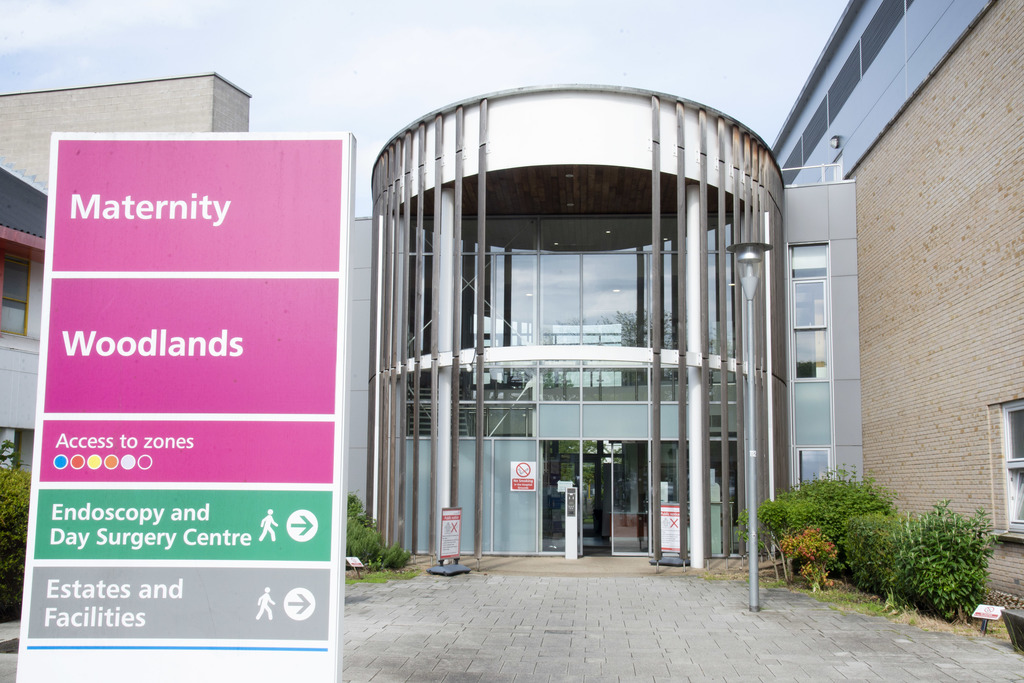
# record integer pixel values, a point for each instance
(14, 503)
(828, 504)
(357, 513)
(871, 552)
(394, 557)
(362, 540)
(941, 560)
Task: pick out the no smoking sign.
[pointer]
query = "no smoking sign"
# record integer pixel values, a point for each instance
(524, 476)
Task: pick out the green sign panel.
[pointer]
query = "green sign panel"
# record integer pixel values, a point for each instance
(106, 524)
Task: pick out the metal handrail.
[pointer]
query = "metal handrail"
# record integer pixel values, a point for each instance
(837, 171)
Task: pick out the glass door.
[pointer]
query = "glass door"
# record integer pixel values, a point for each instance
(630, 530)
(596, 499)
(560, 467)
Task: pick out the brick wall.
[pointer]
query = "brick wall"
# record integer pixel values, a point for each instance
(192, 104)
(940, 206)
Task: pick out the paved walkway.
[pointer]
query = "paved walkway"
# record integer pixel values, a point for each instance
(510, 623)
(616, 619)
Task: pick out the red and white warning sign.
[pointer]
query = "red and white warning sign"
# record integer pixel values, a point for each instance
(670, 528)
(524, 476)
(990, 612)
(451, 532)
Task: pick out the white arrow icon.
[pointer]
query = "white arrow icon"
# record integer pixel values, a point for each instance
(302, 525)
(299, 604)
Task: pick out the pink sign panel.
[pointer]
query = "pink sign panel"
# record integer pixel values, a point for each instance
(198, 205)
(187, 451)
(192, 346)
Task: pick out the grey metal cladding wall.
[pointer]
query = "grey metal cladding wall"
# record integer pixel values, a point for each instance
(22, 207)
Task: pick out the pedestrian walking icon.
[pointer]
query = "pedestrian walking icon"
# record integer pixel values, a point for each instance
(264, 602)
(268, 524)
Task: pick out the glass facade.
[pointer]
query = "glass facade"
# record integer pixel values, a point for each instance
(566, 324)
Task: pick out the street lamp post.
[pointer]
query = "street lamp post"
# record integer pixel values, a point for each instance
(749, 256)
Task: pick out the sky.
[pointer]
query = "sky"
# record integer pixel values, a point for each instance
(373, 68)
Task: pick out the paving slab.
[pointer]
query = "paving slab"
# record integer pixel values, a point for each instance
(632, 623)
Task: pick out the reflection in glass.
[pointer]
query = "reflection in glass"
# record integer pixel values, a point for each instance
(1018, 484)
(810, 354)
(810, 261)
(615, 384)
(510, 421)
(559, 469)
(813, 463)
(669, 303)
(560, 384)
(812, 417)
(809, 304)
(630, 491)
(614, 299)
(509, 304)
(508, 384)
(560, 298)
(1015, 420)
(511, 234)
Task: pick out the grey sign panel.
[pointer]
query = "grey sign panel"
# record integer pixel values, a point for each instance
(207, 603)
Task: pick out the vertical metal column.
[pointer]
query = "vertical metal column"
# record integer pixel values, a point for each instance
(435, 280)
(694, 380)
(705, 375)
(481, 245)
(723, 346)
(682, 452)
(738, 234)
(753, 555)
(405, 239)
(383, 519)
(443, 329)
(654, 478)
(417, 337)
(373, 419)
(456, 286)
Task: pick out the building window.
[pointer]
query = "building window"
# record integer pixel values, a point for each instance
(813, 463)
(1014, 420)
(811, 389)
(14, 314)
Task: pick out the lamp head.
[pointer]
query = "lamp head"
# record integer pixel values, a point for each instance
(749, 256)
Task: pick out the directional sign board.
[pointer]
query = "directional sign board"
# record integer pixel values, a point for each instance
(187, 489)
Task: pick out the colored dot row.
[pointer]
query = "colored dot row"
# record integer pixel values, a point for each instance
(96, 461)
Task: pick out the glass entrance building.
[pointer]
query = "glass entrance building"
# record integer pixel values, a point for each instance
(553, 305)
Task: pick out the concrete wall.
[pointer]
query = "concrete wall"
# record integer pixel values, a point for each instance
(359, 351)
(940, 243)
(196, 104)
(204, 103)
